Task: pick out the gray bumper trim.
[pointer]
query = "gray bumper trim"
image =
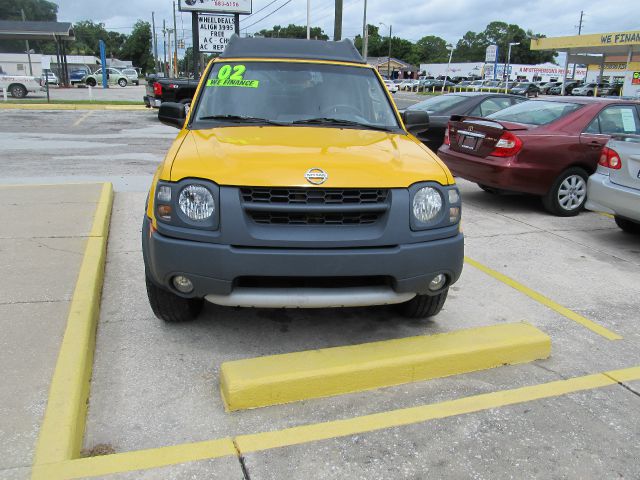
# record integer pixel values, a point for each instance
(310, 297)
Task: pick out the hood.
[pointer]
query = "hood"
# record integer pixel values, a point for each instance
(280, 156)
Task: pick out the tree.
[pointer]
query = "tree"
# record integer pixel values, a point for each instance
(471, 47)
(88, 34)
(430, 49)
(293, 31)
(137, 47)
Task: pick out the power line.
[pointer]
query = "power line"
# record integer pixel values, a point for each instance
(255, 13)
(268, 15)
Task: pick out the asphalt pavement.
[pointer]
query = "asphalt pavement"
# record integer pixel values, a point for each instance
(156, 385)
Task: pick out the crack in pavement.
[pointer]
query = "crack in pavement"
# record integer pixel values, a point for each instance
(245, 472)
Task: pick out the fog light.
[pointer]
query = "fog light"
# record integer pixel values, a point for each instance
(184, 285)
(438, 282)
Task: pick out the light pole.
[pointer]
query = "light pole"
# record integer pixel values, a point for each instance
(451, 49)
(365, 33)
(506, 85)
(389, 57)
(308, 19)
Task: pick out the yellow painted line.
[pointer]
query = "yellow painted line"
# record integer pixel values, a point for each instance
(145, 459)
(407, 416)
(136, 460)
(83, 118)
(276, 379)
(538, 297)
(68, 106)
(605, 214)
(62, 428)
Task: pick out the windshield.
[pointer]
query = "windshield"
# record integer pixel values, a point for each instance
(438, 104)
(534, 112)
(285, 93)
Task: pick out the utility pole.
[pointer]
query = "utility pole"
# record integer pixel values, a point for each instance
(170, 59)
(573, 75)
(308, 19)
(337, 23)
(175, 42)
(155, 43)
(389, 58)
(164, 46)
(26, 42)
(365, 32)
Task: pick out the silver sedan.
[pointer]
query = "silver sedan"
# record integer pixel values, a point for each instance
(615, 186)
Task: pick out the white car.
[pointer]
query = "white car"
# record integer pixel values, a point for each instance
(407, 84)
(51, 78)
(19, 85)
(132, 75)
(392, 87)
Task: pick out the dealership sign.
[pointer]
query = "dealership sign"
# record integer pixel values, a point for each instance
(491, 54)
(215, 32)
(217, 6)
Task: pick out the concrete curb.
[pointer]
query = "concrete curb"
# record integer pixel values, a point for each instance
(62, 429)
(277, 379)
(68, 106)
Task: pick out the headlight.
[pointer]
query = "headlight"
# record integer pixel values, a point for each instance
(427, 204)
(196, 202)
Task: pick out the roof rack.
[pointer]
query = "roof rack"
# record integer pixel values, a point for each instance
(293, 48)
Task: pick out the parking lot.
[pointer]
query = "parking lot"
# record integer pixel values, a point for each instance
(157, 385)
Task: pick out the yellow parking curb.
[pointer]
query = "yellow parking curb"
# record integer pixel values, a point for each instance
(277, 379)
(68, 106)
(62, 428)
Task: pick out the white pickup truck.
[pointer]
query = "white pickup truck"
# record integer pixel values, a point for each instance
(19, 86)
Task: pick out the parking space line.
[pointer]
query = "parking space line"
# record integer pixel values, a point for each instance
(83, 118)
(538, 297)
(62, 428)
(136, 460)
(290, 377)
(160, 457)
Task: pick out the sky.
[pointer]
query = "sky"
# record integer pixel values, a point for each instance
(410, 19)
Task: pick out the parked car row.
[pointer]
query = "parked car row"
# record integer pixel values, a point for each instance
(115, 76)
(549, 148)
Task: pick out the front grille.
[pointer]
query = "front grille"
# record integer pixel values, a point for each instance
(314, 218)
(315, 196)
(314, 206)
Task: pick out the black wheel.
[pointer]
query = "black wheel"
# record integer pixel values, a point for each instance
(170, 307)
(122, 82)
(628, 226)
(18, 91)
(423, 306)
(91, 82)
(568, 194)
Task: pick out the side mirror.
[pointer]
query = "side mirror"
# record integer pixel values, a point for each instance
(172, 114)
(415, 121)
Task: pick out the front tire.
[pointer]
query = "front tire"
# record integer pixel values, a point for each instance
(627, 226)
(18, 91)
(91, 82)
(568, 194)
(122, 82)
(423, 306)
(170, 307)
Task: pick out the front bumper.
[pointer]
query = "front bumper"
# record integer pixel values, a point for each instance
(605, 196)
(215, 268)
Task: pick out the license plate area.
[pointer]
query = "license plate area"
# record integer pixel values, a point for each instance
(469, 140)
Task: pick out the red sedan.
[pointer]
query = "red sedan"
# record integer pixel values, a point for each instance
(543, 147)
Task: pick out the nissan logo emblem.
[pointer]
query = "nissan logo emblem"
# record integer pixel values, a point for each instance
(316, 176)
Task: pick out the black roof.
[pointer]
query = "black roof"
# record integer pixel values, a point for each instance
(35, 30)
(293, 48)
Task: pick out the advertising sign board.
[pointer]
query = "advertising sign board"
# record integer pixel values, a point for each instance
(214, 32)
(217, 6)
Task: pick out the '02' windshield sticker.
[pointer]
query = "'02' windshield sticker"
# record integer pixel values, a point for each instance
(232, 77)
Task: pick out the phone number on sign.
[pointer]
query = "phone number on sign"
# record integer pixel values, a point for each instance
(220, 3)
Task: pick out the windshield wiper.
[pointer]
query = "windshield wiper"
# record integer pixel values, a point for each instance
(339, 121)
(241, 119)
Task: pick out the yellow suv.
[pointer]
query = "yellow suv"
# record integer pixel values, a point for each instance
(295, 183)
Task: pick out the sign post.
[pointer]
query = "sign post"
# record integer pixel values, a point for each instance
(491, 56)
(211, 33)
(103, 61)
(46, 66)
